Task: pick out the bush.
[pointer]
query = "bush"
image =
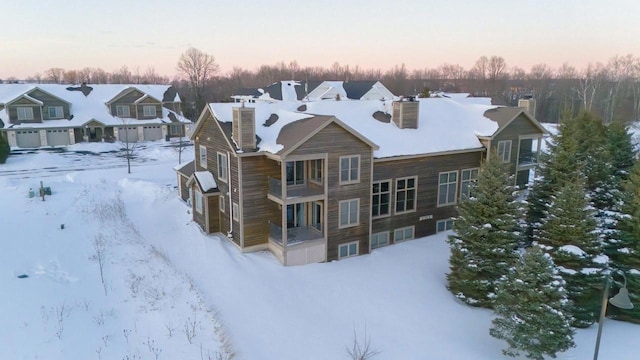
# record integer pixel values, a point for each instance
(4, 148)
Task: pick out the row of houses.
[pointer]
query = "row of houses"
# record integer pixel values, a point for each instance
(322, 180)
(37, 115)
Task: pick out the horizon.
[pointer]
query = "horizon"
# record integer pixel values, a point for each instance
(362, 34)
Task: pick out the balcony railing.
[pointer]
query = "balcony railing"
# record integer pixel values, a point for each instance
(296, 235)
(527, 158)
(294, 191)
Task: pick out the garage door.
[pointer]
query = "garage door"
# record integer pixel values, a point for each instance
(129, 133)
(152, 132)
(28, 138)
(58, 137)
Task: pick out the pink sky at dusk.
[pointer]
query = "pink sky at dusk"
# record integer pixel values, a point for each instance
(72, 34)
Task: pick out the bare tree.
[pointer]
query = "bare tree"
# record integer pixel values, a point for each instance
(540, 72)
(497, 66)
(100, 247)
(361, 348)
(122, 76)
(480, 69)
(70, 77)
(619, 70)
(128, 143)
(589, 81)
(54, 75)
(197, 68)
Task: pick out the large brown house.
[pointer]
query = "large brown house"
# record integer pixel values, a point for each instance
(325, 180)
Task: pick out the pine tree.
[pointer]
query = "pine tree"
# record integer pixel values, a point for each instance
(487, 234)
(532, 309)
(621, 148)
(5, 149)
(568, 233)
(624, 251)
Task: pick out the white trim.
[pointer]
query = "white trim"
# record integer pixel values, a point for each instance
(236, 211)
(198, 203)
(415, 195)
(348, 246)
(24, 111)
(388, 235)
(202, 155)
(455, 187)
(349, 222)
(470, 180)
(504, 156)
(58, 112)
(146, 113)
(390, 203)
(221, 204)
(444, 222)
(350, 181)
(221, 160)
(121, 113)
(404, 229)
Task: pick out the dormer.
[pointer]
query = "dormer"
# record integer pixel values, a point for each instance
(37, 105)
(405, 113)
(244, 128)
(133, 103)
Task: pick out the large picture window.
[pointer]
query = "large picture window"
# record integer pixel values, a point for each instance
(381, 198)
(349, 169)
(122, 111)
(406, 194)
(447, 182)
(25, 113)
(149, 110)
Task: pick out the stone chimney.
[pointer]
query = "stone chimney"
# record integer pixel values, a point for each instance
(405, 113)
(529, 104)
(244, 128)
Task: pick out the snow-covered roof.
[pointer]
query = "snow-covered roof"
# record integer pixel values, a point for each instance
(291, 90)
(444, 124)
(85, 108)
(205, 180)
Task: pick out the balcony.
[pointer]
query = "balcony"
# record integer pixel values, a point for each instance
(296, 235)
(305, 245)
(308, 189)
(527, 158)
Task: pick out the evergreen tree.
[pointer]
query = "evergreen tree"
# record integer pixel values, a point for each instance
(532, 309)
(568, 233)
(621, 148)
(624, 251)
(487, 234)
(5, 149)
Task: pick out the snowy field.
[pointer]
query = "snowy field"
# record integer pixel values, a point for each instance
(172, 292)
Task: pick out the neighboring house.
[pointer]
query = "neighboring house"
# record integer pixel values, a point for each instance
(340, 178)
(314, 91)
(36, 115)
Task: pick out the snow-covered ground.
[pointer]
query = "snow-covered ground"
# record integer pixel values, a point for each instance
(173, 292)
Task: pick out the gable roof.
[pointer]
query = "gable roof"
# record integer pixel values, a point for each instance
(506, 115)
(291, 90)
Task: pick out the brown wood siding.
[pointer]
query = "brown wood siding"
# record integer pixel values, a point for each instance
(127, 99)
(257, 209)
(405, 114)
(183, 188)
(338, 142)
(244, 132)
(427, 170)
(235, 198)
(49, 100)
(214, 213)
(518, 127)
(197, 217)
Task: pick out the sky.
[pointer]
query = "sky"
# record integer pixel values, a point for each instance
(73, 34)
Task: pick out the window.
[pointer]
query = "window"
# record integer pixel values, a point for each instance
(468, 177)
(349, 213)
(203, 156)
(222, 167)
(55, 112)
(175, 129)
(25, 113)
(295, 172)
(406, 195)
(347, 250)
(447, 182)
(198, 199)
(349, 169)
(122, 111)
(236, 212)
(444, 225)
(149, 110)
(504, 150)
(379, 239)
(315, 171)
(401, 234)
(381, 198)
(221, 204)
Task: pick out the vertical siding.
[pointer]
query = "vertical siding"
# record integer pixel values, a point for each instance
(257, 209)
(49, 100)
(214, 214)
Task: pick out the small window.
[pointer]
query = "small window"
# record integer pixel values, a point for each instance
(381, 198)
(236, 212)
(149, 110)
(402, 234)
(55, 112)
(315, 171)
(221, 204)
(25, 113)
(295, 172)
(447, 184)
(203, 156)
(504, 150)
(379, 239)
(222, 167)
(349, 169)
(122, 111)
(406, 194)
(348, 250)
(198, 199)
(468, 177)
(349, 213)
(444, 225)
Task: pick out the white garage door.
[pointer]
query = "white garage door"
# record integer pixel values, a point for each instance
(57, 137)
(152, 132)
(128, 134)
(28, 138)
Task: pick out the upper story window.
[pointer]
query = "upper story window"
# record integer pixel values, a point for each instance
(406, 194)
(349, 213)
(25, 113)
(123, 111)
(315, 171)
(468, 177)
(149, 110)
(504, 150)
(55, 112)
(381, 198)
(222, 167)
(447, 182)
(349, 169)
(295, 172)
(203, 156)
